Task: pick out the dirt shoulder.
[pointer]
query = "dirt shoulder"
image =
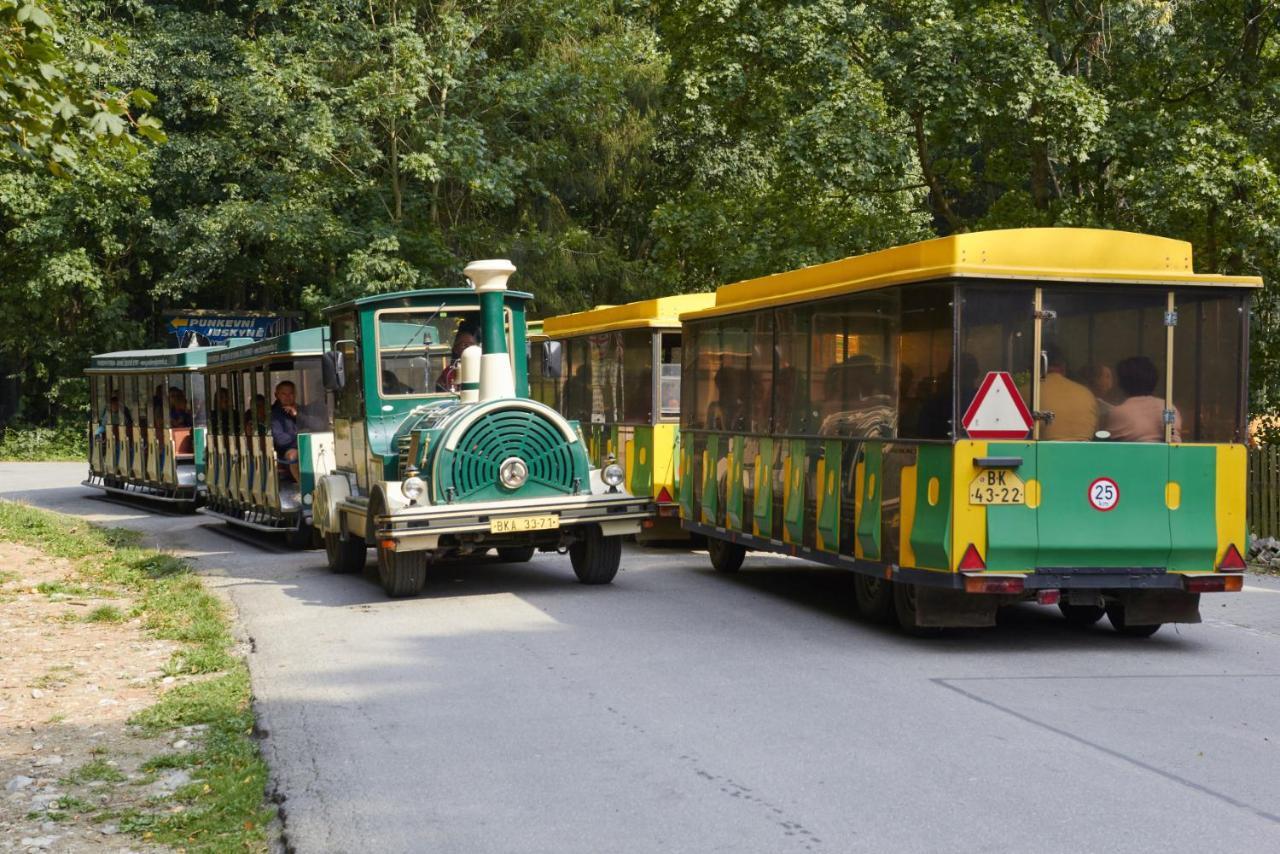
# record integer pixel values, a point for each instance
(125, 722)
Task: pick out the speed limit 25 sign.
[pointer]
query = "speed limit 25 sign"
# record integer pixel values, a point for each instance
(1104, 495)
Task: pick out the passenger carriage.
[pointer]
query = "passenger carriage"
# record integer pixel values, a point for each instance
(146, 424)
(439, 449)
(972, 421)
(252, 479)
(617, 372)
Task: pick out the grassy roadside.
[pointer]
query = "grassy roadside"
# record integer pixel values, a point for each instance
(223, 808)
(29, 443)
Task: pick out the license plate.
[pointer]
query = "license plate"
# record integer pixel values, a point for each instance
(524, 524)
(997, 486)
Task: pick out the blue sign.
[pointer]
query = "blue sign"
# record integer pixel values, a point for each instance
(218, 329)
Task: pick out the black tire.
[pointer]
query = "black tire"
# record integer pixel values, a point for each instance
(595, 557)
(1081, 616)
(345, 556)
(402, 573)
(904, 607)
(725, 556)
(875, 598)
(1115, 613)
(516, 554)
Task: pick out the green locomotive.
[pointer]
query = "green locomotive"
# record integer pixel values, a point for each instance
(439, 449)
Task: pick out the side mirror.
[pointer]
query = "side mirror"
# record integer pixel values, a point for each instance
(332, 371)
(553, 358)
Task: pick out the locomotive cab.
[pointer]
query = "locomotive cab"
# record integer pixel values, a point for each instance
(440, 451)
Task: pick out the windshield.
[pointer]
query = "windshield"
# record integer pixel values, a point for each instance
(418, 349)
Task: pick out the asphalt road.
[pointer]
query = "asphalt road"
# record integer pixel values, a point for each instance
(509, 709)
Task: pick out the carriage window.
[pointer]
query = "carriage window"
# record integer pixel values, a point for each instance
(729, 403)
(576, 370)
(669, 382)
(996, 334)
(181, 410)
(637, 376)
(792, 410)
(1208, 345)
(694, 366)
(416, 350)
(925, 373)
(1105, 357)
(853, 365)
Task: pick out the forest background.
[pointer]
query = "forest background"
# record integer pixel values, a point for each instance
(264, 154)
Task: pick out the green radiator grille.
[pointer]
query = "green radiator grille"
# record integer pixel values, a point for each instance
(511, 433)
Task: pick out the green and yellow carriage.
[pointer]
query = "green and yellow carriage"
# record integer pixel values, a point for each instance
(618, 371)
(146, 424)
(441, 452)
(967, 422)
(254, 391)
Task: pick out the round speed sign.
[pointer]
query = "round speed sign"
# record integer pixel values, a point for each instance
(1104, 495)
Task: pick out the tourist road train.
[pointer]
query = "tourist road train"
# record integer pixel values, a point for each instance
(1053, 414)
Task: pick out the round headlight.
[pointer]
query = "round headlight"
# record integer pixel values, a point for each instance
(413, 488)
(513, 472)
(612, 474)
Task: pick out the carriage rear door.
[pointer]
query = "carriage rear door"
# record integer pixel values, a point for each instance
(1101, 502)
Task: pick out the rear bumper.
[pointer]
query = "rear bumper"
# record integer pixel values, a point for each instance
(415, 528)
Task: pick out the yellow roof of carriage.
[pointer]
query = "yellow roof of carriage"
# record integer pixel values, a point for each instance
(1022, 254)
(663, 312)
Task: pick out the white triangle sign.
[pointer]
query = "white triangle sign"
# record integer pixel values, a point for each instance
(997, 410)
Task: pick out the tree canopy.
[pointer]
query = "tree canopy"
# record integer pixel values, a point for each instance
(614, 149)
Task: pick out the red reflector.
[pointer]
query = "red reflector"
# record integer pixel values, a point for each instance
(1205, 584)
(992, 584)
(1049, 597)
(664, 496)
(1214, 583)
(1232, 559)
(971, 559)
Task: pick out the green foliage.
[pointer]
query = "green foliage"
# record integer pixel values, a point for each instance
(617, 150)
(53, 104)
(32, 443)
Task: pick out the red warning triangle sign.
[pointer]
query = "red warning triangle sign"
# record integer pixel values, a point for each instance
(997, 411)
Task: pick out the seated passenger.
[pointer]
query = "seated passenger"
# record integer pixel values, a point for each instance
(179, 410)
(1074, 408)
(284, 426)
(1140, 417)
(255, 418)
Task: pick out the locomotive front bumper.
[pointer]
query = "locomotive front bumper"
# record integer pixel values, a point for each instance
(420, 527)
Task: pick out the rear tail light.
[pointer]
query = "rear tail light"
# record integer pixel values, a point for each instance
(1049, 597)
(648, 523)
(992, 584)
(1232, 559)
(1214, 583)
(971, 560)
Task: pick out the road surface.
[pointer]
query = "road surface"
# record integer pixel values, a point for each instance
(509, 709)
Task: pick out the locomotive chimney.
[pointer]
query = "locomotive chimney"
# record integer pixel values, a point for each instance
(490, 280)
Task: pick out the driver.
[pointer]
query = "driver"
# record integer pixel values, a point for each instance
(467, 335)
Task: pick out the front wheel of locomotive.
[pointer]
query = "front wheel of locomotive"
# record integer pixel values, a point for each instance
(1115, 613)
(399, 573)
(595, 557)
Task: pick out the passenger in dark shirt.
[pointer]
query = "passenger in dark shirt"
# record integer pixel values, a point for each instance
(284, 426)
